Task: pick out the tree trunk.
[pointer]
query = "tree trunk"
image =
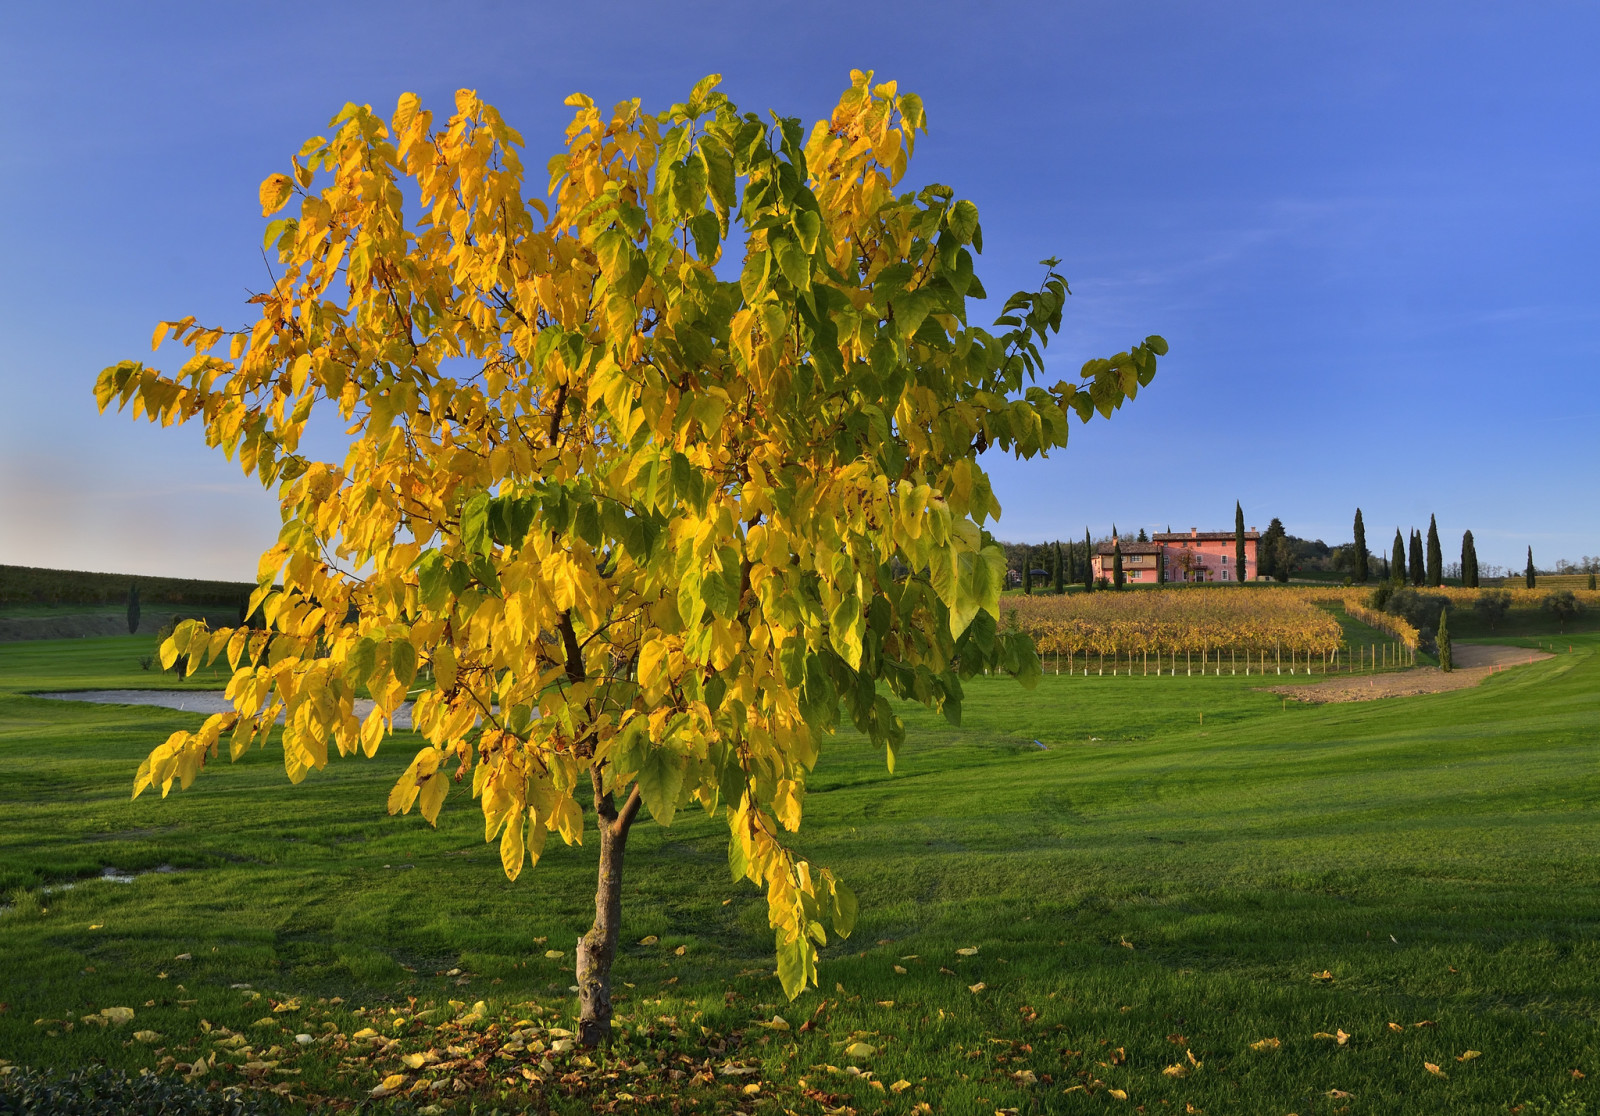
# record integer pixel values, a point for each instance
(598, 948)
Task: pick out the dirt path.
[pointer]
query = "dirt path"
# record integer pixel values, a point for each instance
(1474, 663)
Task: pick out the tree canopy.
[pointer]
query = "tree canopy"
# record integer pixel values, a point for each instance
(628, 531)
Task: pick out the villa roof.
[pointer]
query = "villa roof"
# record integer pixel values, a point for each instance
(1130, 547)
(1200, 536)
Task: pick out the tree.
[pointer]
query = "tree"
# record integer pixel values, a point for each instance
(133, 608)
(1057, 582)
(1027, 574)
(1088, 561)
(1435, 555)
(1117, 578)
(1492, 606)
(1238, 541)
(1530, 575)
(1269, 553)
(1563, 605)
(1591, 580)
(1397, 564)
(1415, 568)
(1360, 571)
(1469, 562)
(1446, 661)
(1144, 537)
(631, 530)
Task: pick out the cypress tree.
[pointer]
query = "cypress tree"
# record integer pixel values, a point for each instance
(1238, 542)
(1469, 562)
(1529, 573)
(1445, 662)
(1591, 580)
(1116, 563)
(1088, 561)
(1397, 564)
(1416, 570)
(1435, 555)
(1027, 575)
(1361, 570)
(1056, 581)
(133, 608)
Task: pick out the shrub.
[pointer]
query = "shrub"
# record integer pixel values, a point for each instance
(1379, 599)
(1561, 604)
(1420, 610)
(1492, 606)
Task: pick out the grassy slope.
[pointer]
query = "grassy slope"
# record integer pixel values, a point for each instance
(1433, 854)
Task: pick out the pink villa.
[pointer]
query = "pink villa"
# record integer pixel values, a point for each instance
(1193, 557)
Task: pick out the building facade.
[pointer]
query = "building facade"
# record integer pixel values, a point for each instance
(1186, 558)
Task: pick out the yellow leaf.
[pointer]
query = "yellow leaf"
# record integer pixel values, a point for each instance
(1179, 1070)
(901, 969)
(1397, 1028)
(858, 1050)
(968, 951)
(414, 1061)
(1119, 1094)
(1433, 1069)
(364, 1033)
(979, 987)
(391, 1084)
(147, 1036)
(752, 1089)
(681, 950)
(1266, 1044)
(555, 954)
(432, 797)
(649, 939)
(900, 1086)
(1469, 1055)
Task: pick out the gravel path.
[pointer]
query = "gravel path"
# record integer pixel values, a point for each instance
(1474, 662)
(197, 701)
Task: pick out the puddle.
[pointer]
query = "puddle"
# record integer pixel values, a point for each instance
(110, 875)
(197, 701)
(107, 875)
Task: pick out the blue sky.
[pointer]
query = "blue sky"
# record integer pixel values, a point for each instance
(1369, 233)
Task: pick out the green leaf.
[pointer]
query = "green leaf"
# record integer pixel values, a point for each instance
(403, 661)
(808, 228)
(963, 221)
(793, 262)
(795, 965)
(661, 782)
(475, 525)
(845, 906)
(433, 580)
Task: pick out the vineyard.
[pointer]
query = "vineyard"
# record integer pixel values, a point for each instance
(1217, 631)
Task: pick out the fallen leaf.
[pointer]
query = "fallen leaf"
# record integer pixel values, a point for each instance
(184, 957)
(1469, 1055)
(1397, 1028)
(304, 1040)
(1324, 975)
(414, 1061)
(1339, 1094)
(979, 987)
(1120, 1094)
(967, 951)
(681, 950)
(1026, 1077)
(860, 1050)
(554, 954)
(649, 939)
(1179, 1070)
(1425, 1023)
(900, 1086)
(147, 1036)
(391, 1084)
(1342, 1037)
(901, 969)
(1433, 1069)
(1266, 1044)
(97, 926)
(1578, 1075)
(265, 1021)
(1125, 943)
(886, 1003)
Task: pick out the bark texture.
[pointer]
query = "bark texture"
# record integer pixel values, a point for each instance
(597, 949)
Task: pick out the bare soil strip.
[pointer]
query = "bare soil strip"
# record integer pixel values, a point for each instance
(1474, 663)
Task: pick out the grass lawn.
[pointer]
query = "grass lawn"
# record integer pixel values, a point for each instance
(1150, 898)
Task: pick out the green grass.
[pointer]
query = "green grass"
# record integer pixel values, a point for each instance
(1433, 854)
